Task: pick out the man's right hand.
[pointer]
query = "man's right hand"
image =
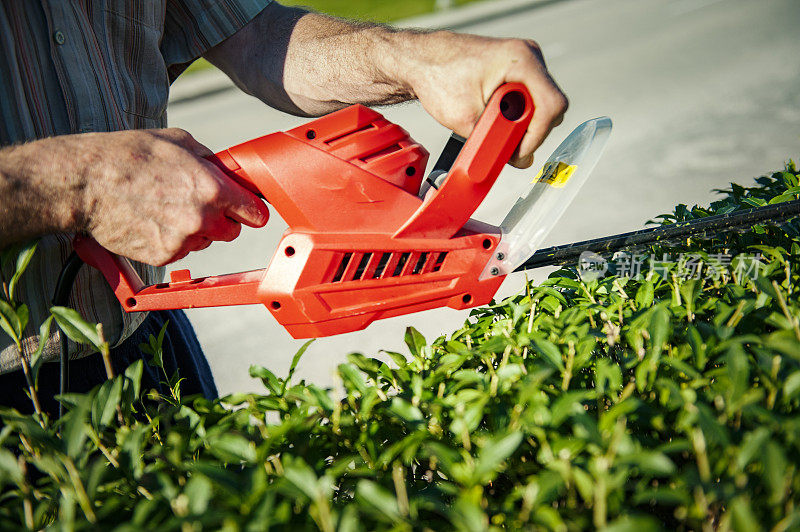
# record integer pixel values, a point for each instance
(148, 195)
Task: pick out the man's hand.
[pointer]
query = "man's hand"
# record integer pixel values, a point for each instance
(310, 64)
(454, 75)
(153, 198)
(148, 195)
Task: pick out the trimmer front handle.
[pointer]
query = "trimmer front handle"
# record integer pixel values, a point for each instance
(361, 244)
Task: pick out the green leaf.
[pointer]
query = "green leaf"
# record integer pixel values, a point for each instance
(397, 358)
(154, 347)
(380, 500)
(663, 496)
(563, 282)
(295, 361)
(220, 476)
(405, 410)
(271, 382)
(785, 342)
(105, 403)
(75, 327)
(659, 328)
(349, 521)
(755, 202)
(609, 418)
(370, 366)
(352, 378)
(9, 468)
(550, 352)
(23, 315)
(468, 516)
(584, 483)
(9, 321)
(134, 373)
(23, 259)
(791, 386)
(199, 491)
(738, 371)
(231, 447)
(644, 296)
(36, 356)
(742, 515)
(633, 523)
(495, 344)
(782, 198)
(75, 431)
(415, 341)
(322, 397)
(776, 466)
(608, 376)
(650, 463)
(302, 477)
(494, 453)
(451, 362)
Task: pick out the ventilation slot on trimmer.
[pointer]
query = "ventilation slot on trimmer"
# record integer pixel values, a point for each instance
(362, 266)
(402, 262)
(420, 263)
(439, 261)
(342, 267)
(333, 140)
(384, 260)
(380, 153)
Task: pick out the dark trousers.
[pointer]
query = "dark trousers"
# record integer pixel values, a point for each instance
(182, 353)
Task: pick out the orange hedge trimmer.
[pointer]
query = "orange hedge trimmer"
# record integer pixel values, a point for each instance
(368, 238)
(362, 244)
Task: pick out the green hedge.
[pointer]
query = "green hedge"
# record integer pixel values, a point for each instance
(633, 404)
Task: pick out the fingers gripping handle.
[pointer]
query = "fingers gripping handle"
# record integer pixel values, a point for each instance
(225, 162)
(488, 148)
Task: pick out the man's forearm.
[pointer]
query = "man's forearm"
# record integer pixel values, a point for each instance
(39, 191)
(334, 62)
(311, 64)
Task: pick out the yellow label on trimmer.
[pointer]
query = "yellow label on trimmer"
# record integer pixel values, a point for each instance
(556, 174)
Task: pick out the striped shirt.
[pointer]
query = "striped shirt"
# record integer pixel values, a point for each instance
(74, 66)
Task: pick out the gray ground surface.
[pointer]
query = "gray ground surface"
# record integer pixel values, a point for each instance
(701, 92)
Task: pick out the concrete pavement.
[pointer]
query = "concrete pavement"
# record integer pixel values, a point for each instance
(701, 92)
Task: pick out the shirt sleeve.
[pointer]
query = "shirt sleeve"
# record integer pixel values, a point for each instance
(192, 27)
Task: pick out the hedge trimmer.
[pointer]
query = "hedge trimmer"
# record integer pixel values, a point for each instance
(368, 238)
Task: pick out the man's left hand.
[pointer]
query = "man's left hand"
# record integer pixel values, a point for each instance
(454, 75)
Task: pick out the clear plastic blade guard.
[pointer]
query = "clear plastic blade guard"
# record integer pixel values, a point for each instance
(535, 214)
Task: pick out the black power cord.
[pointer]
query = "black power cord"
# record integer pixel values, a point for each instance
(66, 280)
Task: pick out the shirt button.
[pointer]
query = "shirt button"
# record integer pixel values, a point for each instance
(59, 37)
